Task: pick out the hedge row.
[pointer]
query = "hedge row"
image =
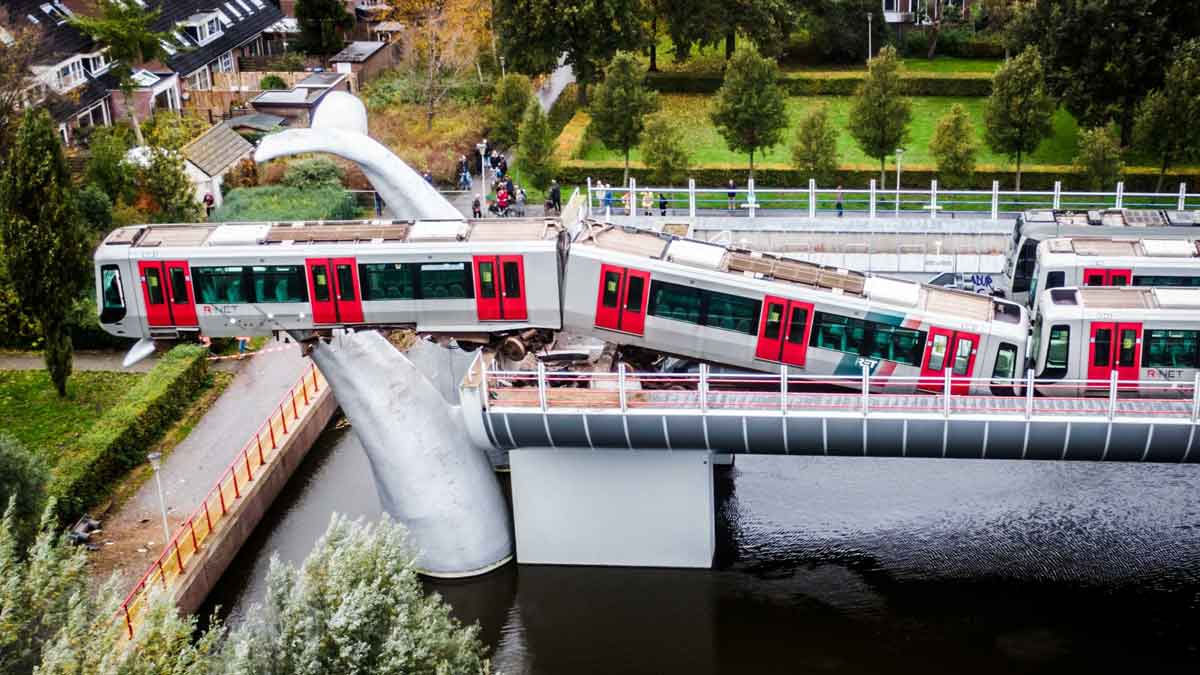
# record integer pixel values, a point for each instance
(118, 440)
(833, 83)
(573, 137)
(1042, 177)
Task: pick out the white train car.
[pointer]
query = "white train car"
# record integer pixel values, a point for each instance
(475, 278)
(703, 301)
(1136, 333)
(1088, 261)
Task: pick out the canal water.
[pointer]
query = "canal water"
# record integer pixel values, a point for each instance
(836, 565)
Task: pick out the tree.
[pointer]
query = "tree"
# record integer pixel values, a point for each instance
(321, 25)
(1099, 157)
(1018, 115)
(511, 99)
(535, 155)
(814, 152)
(1165, 126)
(22, 487)
(446, 41)
(95, 209)
(1103, 56)
(749, 110)
(839, 29)
(355, 605)
(954, 147)
(163, 179)
(172, 130)
(107, 167)
(880, 114)
(664, 151)
(16, 76)
(535, 33)
(46, 244)
(272, 81)
(766, 23)
(126, 30)
(621, 104)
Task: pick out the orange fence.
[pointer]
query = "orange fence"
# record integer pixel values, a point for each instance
(224, 499)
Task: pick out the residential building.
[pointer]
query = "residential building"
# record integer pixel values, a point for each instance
(917, 12)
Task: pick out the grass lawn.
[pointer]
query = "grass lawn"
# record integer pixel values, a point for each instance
(32, 411)
(712, 59)
(707, 146)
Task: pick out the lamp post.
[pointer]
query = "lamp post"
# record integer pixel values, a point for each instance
(869, 45)
(482, 147)
(502, 73)
(156, 462)
(899, 156)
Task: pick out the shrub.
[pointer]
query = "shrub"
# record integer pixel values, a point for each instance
(171, 130)
(564, 108)
(573, 138)
(513, 96)
(272, 82)
(283, 203)
(311, 174)
(831, 83)
(118, 440)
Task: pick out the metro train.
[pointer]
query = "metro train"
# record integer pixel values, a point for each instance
(1087, 261)
(507, 281)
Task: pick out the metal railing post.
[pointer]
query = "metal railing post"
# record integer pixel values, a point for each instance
(946, 394)
(1120, 194)
(812, 198)
(633, 202)
(587, 203)
(195, 544)
(541, 382)
(1182, 197)
(1112, 394)
(483, 381)
(703, 387)
(866, 389)
(750, 197)
(1196, 399)
(316, 384)
(1057, 203)
(691, 198)
(621, 385)
(872, 200)
(1028, 394)
(283, 418)
(933, 207)
(783, 388)
(995, 200)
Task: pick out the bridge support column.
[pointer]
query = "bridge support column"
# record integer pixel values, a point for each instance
(640, 509)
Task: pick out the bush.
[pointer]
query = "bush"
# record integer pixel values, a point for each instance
(312, 174)
(283, 203)
(118, 440)
(171, 130)
(564, 108)
(574, 137)
(831, 83)
(272, 82)
(512, 98)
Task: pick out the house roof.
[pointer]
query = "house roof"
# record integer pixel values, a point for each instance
(357, 52)
(241, 20)
(217, 149)
(57, 39)
(257, 121)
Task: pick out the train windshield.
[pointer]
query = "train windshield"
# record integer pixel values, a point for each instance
(112, 296)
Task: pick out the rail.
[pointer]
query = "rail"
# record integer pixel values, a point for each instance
(870, 201)
(224, 498)
(786, 393)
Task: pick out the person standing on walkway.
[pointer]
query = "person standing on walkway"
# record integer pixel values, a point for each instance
(662, 203)
(627, 202)
(608, 197)
(556, 196)
(839, 200)
(647, 203)
(521, 201)
(732, 197)
(476, 208)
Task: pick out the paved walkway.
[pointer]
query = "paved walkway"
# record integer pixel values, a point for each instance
(193, 467)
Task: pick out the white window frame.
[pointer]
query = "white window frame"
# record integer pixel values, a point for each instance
(90, 114)
(224, 63)
(76, 74)
(207, 27)
(200, 80)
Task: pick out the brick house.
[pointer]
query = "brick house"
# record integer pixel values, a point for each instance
(915, 12)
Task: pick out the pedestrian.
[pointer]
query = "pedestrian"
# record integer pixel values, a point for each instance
(378, 205)
(508, 185)
(647, 203)
(494, 159)
(503, 166)
(242, 344)
(476, 208)
(464, 173)
(428, 177)
(627, 202)
(209, 200)
(839, 200)
(556, 196)
(608, 196)
(732, 197)
(662, 203)
(502, 201)
(521, 201)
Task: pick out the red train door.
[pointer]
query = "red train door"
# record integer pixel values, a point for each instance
(947, 349)
(320, 290)
(1115, 346)
(346, 290)
(783, 331)
(1106, 277)
(154, 291)
(621, 302)
(180, 295)
(512, 288)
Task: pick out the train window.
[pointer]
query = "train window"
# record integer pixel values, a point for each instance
(902, 345)
(634, 293)
(937, 355)
(221, 285)
(1023, 269)
(868, 338)
(1171, 349)
(1120, 280)
(796, 327)
(1102, 348)
(962, 357)
(345, 281)
(320, 278)
(1006, 361)
(179, 294)
(774, 321)
(612, 284)
(1056, 279)
(1160, 280)
(1094, 280)
(731, 312)
(705, 308)
(512, 280)
(672, 301)
(113, 297)
(1059, 347)
(386, 281)
(487, 280)
(154, 291)
(278, 283)
(1128, 351)
(448, 281)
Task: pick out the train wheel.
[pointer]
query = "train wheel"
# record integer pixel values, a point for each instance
(513, 349)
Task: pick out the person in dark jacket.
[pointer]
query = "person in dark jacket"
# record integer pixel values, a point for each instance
(556, 196)
(662, 203)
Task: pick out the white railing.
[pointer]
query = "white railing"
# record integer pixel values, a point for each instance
(872, 202)
(790, 394)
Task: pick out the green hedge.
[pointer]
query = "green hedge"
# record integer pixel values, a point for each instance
(283, 203)
(564, 108)
(1137, 179)
(832, 83)
(118, 441)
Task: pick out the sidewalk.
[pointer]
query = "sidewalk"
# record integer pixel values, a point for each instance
(193, 467)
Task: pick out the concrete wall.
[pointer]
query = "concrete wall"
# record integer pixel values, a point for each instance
(205, 570)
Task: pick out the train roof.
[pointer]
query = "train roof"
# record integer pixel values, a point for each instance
(1125, 298)
(340, 232)
(719, 258)
(1134, 218)
(1128, 248)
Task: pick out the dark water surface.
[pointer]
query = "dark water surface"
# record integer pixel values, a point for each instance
(837, 565)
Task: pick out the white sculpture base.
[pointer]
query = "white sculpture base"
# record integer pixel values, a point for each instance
(640, 509)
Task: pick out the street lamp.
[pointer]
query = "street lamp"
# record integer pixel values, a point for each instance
(899, 156)
(869, 46)
(156, 462)
(482, 147)
(502, 73)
